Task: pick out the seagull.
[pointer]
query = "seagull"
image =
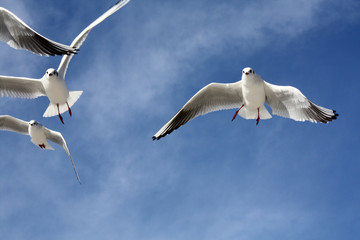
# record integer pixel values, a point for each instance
(52, 84)
(18, 34)
(38, 133)
(249, 95)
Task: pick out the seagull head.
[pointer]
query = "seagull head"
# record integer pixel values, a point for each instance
(248, 71)
(33, 123)
(51, 72)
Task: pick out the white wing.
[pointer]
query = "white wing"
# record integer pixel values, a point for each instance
(17, 34)
(21, 87)
(213, 97)
(14, 124)
(289, 102)
(57, 138)
(82, 36)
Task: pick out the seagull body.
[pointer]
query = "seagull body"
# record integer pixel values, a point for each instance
(55, 87)
(53, 84)
(253, 93)
(249, 95)
(38, 133)
(18, 34)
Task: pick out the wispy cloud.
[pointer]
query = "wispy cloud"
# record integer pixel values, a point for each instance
(131, 68)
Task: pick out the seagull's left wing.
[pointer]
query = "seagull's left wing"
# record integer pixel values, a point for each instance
(10, 123)
(289, 102)
(57, 138)
(18, 34)
(82, 36)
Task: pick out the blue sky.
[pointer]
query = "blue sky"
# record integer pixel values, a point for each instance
(212, 178)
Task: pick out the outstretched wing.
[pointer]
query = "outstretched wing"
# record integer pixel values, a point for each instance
(82, 36)
(17, 34)
(21, 87)
(57, 138)
(289, 102)
(10, 123)
(213, 97)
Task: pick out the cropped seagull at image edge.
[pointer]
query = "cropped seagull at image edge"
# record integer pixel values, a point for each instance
(38, 133)
(52, 84)
(249, 95)
(18, 34)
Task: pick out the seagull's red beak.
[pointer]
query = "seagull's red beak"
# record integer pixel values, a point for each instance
(246, 73)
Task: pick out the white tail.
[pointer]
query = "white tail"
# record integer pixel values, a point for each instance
(52, 108)
(253, 114)
(46, 144)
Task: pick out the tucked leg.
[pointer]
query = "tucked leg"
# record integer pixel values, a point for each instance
(237, 112)
(258, 118)
(61, 118)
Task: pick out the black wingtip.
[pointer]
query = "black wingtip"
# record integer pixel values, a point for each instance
(154, 138)
(335, 116)
(74, 51)
(116, 3)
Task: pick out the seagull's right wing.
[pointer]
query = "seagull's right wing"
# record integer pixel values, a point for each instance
(21, 87)
(213, 97)
(17, 34)
(82, 36)
(10, 123)
(58, 138)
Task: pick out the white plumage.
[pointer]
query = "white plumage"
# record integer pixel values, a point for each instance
(249, 95)
(52, 84)
(18, 34)
(38, 133)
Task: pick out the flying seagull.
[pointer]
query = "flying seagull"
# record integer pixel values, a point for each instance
(18, 35)
(249, 95)
(52, 84)
(38, 133)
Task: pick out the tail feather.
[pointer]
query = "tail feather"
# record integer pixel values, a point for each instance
(73, 97)
(47, 145)
(52, 108)
(253, 114)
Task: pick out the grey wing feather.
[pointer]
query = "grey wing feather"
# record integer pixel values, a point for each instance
(289, 102)
(18, 34)
(10, 123)
(78, 41)
(57, 138)
(213, 97)
(21, 87)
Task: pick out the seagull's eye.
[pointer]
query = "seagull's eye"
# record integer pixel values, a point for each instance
(250, 71)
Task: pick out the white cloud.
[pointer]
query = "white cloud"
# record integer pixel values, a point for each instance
(130, 69)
